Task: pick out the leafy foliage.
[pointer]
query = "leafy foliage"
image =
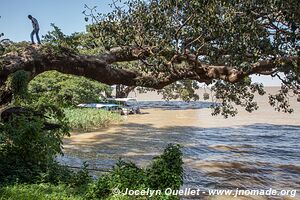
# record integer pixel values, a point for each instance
(184, 90)
(184, 38)
(58, 182)
(66, 90)
(26, 149)
(280, 101)
(17, 84)
(27, 145)
(61, 41)
(219, 33)
(3, 43)
(2, 49)
(165, 172)
(241, 94)
(228, 30)
(57, 174)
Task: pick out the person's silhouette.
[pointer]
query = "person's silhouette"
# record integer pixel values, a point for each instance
(35, 30)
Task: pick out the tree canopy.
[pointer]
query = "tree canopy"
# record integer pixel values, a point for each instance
(66, 90)
(171, 44)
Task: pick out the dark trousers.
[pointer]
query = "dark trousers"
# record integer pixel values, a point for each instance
(36, 32)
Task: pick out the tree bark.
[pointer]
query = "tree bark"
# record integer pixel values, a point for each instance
(38, 59)
(123, 91)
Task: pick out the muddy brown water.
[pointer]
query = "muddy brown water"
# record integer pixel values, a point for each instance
(259, 150)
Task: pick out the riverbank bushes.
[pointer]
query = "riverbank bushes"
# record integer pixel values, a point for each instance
(164, 172)
(58, 182)
(28, 147)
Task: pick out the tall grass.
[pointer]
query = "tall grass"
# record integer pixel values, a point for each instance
(88, 119)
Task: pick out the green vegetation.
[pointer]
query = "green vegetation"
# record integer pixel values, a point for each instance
(66, 90)
(164, 172)
(168, 45)
(174, 45)
(58, 182)
(27, 148)
(2, 44)
(88, 119)
(38, 192)
(224, 34)
(31, 138)
(56, 91)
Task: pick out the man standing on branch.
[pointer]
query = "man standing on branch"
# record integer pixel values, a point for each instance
(35, 30)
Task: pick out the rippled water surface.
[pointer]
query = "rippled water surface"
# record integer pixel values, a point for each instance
(251, 151)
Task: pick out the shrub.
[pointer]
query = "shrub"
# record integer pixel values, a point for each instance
(17, 84)
(165, 172)
(80, 178)
(31, 137)
(26, 149)
(59, 182)
(127, 175)
(100, 189)
(57, 174)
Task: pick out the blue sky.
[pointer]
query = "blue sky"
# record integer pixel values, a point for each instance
(66, 14)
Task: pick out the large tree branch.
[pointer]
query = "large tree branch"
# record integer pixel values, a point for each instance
(38, 59)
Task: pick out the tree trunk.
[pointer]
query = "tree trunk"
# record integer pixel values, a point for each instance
(123, 91)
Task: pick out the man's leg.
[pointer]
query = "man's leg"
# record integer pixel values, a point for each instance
(37, 36)
(31, 36)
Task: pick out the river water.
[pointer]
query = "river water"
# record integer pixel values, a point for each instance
(259, 150)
